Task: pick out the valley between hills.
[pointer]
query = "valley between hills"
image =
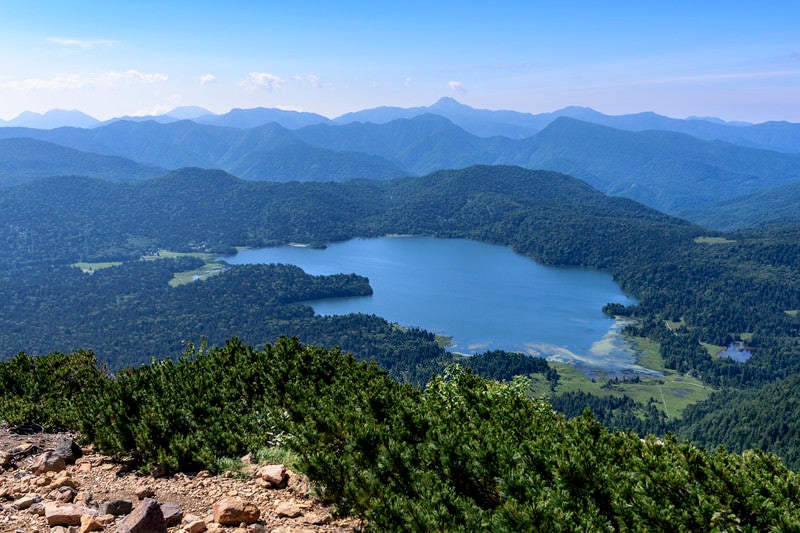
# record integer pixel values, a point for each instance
(121, 324)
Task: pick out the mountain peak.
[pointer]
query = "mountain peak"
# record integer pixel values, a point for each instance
(188, 112)
(448, 102)
(55, 118)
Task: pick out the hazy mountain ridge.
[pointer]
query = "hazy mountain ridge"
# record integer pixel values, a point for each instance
(257, 154)
(775, 206)
(670, 171)
(55, 118)
(774, 135)
(421, 144)
(778, 136)
(23, 160)
(251, 118)
(666, 170)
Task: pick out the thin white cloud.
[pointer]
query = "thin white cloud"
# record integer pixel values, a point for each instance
(704, 78)
(83, 44)
(205, 79)
(134, 76)
(729, 76)
(314, 80)
(407, 82)
(82, 81)
(261, 80)
(457, 86)
(165, 105)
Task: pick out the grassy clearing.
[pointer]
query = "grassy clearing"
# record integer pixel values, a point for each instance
(90, 268)
(649, 353)
(712, 240)
(209, 269)
(712, 349)
(673, 392)
(167, 254)
(444, 341)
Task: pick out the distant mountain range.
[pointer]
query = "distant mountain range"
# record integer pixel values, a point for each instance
(55, 118)
(673, 172)
(778, 136)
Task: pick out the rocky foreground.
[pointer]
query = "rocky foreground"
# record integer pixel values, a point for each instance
(50, 484)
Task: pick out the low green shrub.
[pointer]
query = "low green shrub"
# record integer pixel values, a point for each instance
(467, 454)
(47, 390)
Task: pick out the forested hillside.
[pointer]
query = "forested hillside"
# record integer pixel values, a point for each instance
(693, 286)
(770, 207)
(24, 160)
(669, 171)
(720, 289)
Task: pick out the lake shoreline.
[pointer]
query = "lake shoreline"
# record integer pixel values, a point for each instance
(482, 296)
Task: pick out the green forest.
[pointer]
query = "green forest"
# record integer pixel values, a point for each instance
(695, 288)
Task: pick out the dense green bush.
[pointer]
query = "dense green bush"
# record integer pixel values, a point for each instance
(46, 390)
(467, 454)
(186, 414)
(475, 455)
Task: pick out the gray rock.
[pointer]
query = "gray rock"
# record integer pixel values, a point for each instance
(68, 449)
(21, 450)
(160, 470)
(115, 507)
(26, 501)
(146, 518)
(173, 514)
(66, 494)
(37, 509)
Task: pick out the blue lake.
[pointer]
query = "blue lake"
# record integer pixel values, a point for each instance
(484, 297)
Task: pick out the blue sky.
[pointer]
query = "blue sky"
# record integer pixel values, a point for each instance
(736, 60)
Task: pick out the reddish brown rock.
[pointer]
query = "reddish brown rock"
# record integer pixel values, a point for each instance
(59, 514)
(233, 511)
(64, 481)
(49, 462)
(194, 525)
(274, 475)
(106, 519)
(288, 510)
(90, 523)
(145, 491)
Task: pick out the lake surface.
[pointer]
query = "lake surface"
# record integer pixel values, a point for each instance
(484, 297)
